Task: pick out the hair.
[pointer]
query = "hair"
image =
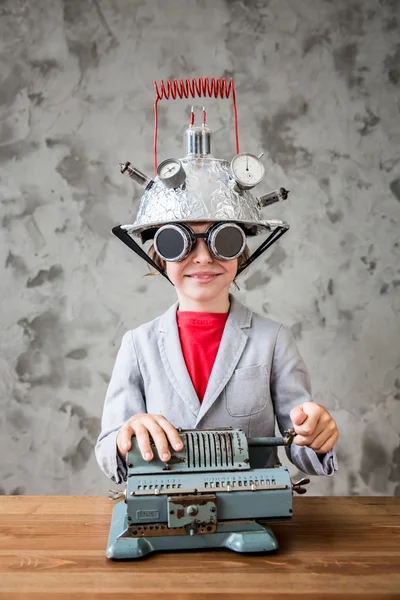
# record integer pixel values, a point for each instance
(242, 259)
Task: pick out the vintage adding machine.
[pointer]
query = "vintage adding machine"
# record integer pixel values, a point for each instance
(214, 493)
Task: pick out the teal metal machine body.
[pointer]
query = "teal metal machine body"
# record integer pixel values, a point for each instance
(213, 493)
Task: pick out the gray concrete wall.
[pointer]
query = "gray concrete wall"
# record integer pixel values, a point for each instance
(317, 86)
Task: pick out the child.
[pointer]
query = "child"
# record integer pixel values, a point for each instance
(209, 362)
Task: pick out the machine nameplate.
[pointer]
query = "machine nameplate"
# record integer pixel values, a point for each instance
(147, 514)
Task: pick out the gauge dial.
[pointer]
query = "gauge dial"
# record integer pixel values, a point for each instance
(247, 170)
(171, 172)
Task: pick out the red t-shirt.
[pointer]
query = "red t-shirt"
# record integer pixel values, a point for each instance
(200, 334)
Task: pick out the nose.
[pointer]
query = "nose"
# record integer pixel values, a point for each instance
(201, 253)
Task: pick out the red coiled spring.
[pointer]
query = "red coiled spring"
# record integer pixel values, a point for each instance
(217, 88)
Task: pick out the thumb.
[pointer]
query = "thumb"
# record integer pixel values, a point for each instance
(297, 415)
(124, 438)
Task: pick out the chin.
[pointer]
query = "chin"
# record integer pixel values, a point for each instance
(205, 293)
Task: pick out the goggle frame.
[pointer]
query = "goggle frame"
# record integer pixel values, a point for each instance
(189, 238)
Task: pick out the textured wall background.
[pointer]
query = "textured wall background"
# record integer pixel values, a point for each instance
(317, 85)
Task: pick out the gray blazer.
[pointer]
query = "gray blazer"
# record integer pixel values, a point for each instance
(258, 375)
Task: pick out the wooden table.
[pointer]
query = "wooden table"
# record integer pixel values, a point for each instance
(342, 547)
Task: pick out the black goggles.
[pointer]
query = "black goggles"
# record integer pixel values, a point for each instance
(175, 241)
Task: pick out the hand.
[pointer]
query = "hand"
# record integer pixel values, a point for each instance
(143, 426)
(314, 426)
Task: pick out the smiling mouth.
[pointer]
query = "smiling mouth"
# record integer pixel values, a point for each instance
(204, 276)
(203, 279)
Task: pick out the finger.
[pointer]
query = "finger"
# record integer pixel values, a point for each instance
(143, 440)
(171, 432)
(319, 443)
(320, 440)
(124, 438)
(308, 440)
(311, 425)
(160, 440)
(301, 440)
(297, 415)
(327, 444)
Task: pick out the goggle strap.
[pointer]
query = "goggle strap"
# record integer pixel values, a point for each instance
(271, 239)
(126, 238)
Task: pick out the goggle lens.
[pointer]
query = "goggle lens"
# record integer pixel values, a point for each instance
(170, 243)
(229, 242)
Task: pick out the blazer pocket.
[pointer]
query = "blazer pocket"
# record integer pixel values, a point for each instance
(247, 391)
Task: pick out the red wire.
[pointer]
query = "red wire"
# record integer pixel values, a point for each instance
(219, 88)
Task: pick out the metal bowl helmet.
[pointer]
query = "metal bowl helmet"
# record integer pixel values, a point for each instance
(200, 188)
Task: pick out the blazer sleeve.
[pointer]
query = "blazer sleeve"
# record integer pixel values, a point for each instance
(124, 398)
(290, 386)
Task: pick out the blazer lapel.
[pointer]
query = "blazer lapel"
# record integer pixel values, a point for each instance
(232, 344)
(171, 354)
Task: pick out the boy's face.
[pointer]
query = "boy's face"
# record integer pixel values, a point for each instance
(201, 277)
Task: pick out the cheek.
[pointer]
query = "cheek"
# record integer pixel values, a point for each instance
(231, 267)
(174, 271)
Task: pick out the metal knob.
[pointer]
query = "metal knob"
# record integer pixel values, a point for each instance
(288, 436)
(297, 486)
(116, 494)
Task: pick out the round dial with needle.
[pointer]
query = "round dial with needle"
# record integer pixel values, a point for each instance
(171, 173)
(247, 170)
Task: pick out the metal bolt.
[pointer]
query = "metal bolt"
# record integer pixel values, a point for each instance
(192, 510)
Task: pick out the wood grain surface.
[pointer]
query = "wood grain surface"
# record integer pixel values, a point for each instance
(342, 547)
